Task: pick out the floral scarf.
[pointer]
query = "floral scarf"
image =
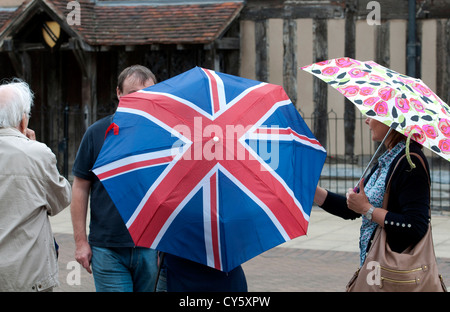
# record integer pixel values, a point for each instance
(375, 189)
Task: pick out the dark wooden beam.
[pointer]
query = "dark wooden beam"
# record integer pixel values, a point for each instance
(441, 58)
(320, 89)
(228, 43)
(16, 63)
(264, 9)
(80, 56)
(349, 107)
(262, 51)
(290, 58)
(87, 62)
(382, 49)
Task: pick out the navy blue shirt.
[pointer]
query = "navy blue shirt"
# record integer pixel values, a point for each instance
(106, 228)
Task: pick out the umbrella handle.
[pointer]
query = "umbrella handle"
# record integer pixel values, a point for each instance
(356, 188)
(408, 156)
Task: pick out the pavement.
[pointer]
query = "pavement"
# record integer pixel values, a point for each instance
(322, 261)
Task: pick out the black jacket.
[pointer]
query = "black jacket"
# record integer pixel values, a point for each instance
(408, 205)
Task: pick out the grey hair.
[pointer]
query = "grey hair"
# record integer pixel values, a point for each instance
(16, 99)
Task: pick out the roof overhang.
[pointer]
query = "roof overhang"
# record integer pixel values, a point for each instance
(130, 23)
(22, 17)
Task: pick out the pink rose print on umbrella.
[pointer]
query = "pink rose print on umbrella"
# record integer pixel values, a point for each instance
(422, 89)
(371, 101)
(349, 91)
(444, 145)
(330, 71)
(346, 62)
(376, 78)
(444, 127)
(418, 106)
(386, 93)
(366, 91)
(430, 131)
(402, 104)
(418, 134)
(381, 108)
(357, 73)
(323, 63)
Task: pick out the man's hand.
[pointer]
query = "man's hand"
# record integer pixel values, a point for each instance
(83, 255)
(78, 211)
(30, 134)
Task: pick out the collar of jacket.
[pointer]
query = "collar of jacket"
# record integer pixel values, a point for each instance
(12, 132)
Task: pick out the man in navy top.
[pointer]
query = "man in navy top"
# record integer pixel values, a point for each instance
(117, 265)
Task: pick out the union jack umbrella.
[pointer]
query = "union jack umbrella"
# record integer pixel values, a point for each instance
(211, 167)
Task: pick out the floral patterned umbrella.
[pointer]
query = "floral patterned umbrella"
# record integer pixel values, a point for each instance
(404, 103)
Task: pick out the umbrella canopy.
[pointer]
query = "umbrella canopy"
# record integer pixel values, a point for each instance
(405, 104)
(211, 167)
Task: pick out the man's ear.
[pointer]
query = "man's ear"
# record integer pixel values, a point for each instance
(23, 125)
(118, 93)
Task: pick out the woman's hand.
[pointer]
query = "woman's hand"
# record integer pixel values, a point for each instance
(320, 195)
(358, 202)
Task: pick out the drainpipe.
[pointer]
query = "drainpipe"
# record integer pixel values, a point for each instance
(411, 45)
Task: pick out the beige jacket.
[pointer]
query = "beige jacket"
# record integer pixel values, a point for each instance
(31, 189)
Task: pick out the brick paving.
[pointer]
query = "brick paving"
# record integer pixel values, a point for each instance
(67, 266)
(280, 269)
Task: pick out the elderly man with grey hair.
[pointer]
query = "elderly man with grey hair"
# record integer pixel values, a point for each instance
(31, 189)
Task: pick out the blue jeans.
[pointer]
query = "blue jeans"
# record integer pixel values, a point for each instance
(126, 269)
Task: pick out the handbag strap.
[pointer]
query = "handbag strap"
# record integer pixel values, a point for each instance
(388, 185)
